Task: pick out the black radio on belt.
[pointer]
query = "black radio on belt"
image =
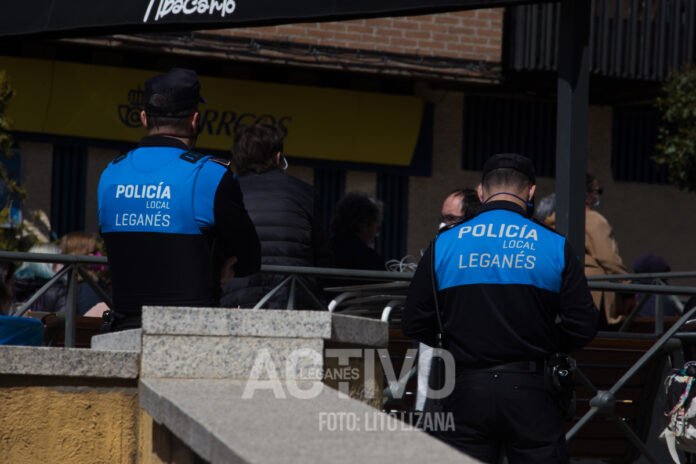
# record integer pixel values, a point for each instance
(560, 369)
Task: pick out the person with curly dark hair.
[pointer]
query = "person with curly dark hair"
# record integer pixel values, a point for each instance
(354, 227)
(287, 216)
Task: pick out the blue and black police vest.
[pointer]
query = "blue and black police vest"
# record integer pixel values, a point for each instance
(157, 200)
(156, 206)
(500, 247)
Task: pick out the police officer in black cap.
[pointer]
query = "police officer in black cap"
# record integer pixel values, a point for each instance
(511, 294)
(173, 220)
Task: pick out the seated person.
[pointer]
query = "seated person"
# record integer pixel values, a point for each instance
(31, 276)
(89, 303)
(650, 263)
(15, 330)
(602, 254)
(354, 227)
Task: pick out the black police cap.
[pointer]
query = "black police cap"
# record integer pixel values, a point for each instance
(175, 93)
(510, 161)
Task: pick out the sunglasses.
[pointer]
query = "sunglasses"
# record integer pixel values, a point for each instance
(450, 218)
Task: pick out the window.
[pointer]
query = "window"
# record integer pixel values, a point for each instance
(392, 190)
(68, 190)
(633, 145)
(509, 125)
(330, 184)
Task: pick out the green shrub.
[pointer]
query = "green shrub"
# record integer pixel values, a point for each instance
(676, 147)
(14, 236)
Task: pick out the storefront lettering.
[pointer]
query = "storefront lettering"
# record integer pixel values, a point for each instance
(189, 7)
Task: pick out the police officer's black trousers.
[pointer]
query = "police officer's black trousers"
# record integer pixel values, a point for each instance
(510, 412)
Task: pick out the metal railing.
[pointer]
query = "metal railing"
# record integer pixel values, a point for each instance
(604, 400)
(73, 267)
(392, 291)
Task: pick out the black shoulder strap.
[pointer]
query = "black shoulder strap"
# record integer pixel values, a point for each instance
(221, 161)
(436, 294)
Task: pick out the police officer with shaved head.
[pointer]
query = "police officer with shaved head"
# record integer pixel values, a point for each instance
(173, 219)
(507, 296)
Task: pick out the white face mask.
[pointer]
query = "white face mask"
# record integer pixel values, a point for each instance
(284, 167)
(599, 198)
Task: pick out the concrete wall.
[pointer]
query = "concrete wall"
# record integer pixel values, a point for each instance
(357, 181)
(37, 171)
(73, 424)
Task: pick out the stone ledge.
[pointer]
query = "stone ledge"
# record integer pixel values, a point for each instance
(188, 356)
(361, 331)
(68, 362)
(212, 418)
(266, 323)
(126, 340)
(160, 320)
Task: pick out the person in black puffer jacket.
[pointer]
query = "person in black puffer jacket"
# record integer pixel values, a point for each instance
(286, 214)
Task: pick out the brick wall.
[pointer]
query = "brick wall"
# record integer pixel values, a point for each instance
(468, 35)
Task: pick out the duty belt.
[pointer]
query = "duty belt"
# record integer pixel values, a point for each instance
(520, 366)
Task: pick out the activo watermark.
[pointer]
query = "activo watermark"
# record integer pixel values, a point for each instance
(290, 375)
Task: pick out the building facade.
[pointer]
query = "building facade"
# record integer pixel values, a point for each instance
(403, 108)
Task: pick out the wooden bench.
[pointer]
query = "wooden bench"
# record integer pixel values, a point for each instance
(85, 329)
(604, 361)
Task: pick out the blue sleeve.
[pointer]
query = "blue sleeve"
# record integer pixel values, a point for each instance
(204, 193)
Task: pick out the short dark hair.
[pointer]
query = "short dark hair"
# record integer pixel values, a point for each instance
(354, 213)
(178, 124)
(507, 178)
(470, 200)
(255, 148)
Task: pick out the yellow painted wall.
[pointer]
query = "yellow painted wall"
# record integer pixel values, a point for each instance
(73, 425)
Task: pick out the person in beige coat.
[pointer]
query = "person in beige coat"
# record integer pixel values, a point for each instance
(601, 252)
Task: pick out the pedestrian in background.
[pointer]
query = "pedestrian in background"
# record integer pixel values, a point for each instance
(287, 216)
(458, 205)
(354, 227)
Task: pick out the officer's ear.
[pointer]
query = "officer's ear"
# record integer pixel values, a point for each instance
(532, 190)
(143, 118)
(194, 121)
(479, 191)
